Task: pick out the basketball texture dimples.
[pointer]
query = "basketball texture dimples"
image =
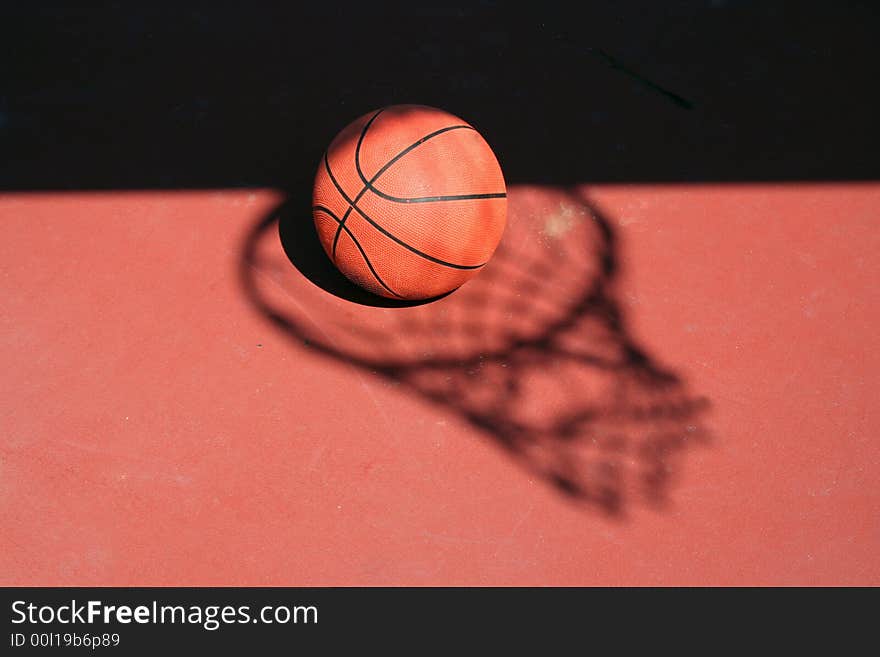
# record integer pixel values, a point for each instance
(409, 202)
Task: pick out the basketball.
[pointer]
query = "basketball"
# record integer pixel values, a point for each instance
(409, 202)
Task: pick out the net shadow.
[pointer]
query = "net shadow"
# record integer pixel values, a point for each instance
(535, 352)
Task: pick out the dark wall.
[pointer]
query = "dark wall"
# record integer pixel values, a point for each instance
(219, 95)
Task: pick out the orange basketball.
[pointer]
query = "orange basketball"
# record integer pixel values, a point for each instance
(409, 202)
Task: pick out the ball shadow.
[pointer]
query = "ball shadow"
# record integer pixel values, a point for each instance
(300, 242)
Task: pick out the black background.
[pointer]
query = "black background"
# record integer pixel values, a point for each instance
(212, 95)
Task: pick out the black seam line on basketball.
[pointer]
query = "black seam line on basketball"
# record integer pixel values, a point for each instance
(385, 232)
(414, 145)
(430, 199)
(321, 208)
(418, 199)
(368, 184)
(363, 191)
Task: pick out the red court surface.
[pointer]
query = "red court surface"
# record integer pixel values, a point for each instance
(649, 385)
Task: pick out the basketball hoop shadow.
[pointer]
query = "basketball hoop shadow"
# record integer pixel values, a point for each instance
(534, 352)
